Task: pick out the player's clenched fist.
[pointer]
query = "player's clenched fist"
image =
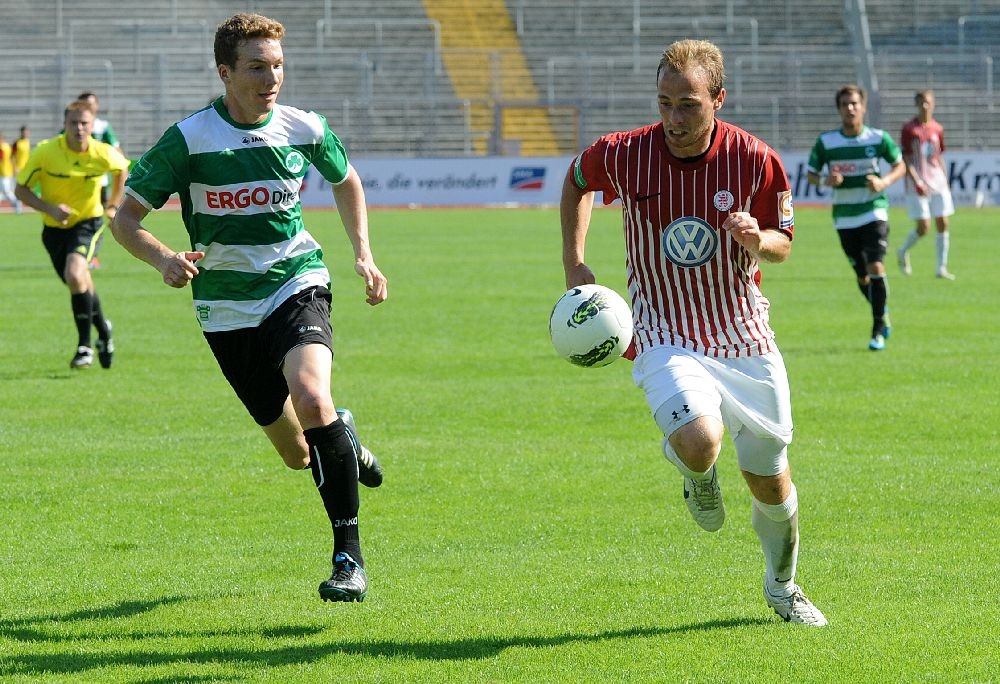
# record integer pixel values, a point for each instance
(180, 269)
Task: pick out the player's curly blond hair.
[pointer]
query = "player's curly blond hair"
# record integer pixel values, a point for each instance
(687, 54)
(240, 27)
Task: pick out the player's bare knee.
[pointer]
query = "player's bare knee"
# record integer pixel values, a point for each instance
(769, 489)
(312, 408)
(763, 460)
(692, 425)
(698, 443)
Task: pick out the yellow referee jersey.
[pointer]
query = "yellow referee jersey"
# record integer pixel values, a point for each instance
(71, 178)
(22, 150)
(6, 160)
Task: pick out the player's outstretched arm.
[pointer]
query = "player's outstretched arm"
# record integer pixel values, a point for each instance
(177, 268)
(350, 198)
(575, 209)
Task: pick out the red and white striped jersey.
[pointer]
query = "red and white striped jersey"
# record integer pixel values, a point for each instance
(922, 145)
(691, 284)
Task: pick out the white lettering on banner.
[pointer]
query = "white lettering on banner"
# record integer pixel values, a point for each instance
(974, 179)
(537, 181)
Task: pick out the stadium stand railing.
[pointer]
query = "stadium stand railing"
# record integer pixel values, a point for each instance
(387, 80)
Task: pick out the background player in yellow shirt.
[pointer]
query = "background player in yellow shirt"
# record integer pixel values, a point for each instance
(22, 148)
(7, 173)
(67, 170)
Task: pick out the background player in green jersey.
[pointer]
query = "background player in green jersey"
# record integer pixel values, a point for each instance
(260, 286)
(860, 206)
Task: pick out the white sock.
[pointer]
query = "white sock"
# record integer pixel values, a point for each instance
(910, 240)
(777, 528)
(942, 251)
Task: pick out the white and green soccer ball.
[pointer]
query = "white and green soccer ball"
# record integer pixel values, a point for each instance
(591, 326)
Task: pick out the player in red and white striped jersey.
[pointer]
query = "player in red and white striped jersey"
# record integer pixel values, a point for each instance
(703, 202)
(928, 194)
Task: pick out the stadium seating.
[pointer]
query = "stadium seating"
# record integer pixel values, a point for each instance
(528, 77)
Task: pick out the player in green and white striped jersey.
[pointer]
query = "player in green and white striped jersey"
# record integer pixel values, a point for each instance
(852, 155)
(257, 275)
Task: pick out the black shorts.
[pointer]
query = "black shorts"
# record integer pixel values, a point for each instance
(81, 238)
(865, 245)
(251, 358)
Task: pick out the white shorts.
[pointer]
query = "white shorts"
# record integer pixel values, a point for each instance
(935, 205)
(750, 392)
(7, 187)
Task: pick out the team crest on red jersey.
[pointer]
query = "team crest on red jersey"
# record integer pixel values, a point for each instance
(723, 200)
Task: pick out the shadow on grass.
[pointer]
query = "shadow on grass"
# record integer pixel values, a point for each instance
(26, 629)
(35, 373)
(479, 648)
(23, 629)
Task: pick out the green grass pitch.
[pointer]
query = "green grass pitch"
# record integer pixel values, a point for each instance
(528, 529)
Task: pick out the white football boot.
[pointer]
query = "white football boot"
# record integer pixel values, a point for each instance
(704, 500)
(795, 607)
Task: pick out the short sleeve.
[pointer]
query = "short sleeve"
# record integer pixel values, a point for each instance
(891, 151)
(331, 157)
(817, 157)
(590, 172)
(32, 164)
(162, 171)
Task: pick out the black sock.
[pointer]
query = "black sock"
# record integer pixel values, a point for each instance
(99, 321)
(335, 472)
(865, 290)
(879, 294)
(83, 314)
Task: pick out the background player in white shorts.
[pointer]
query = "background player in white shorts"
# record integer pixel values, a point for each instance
(927, 193)
(702, 203)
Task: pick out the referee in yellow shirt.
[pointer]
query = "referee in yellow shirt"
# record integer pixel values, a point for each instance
(68, 169)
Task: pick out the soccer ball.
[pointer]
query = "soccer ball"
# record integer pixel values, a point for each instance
(591, 326)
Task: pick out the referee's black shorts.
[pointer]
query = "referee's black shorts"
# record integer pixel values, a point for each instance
(81, 238)
(251, 358)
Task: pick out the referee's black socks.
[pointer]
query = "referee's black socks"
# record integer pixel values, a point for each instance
(83, 315)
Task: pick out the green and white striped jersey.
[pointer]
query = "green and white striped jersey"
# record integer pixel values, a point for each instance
(854, 204)
(239, 190)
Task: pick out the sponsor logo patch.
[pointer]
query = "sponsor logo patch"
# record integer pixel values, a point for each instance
(786, 216)
(689, 242)
(245, 197)
(527, 178)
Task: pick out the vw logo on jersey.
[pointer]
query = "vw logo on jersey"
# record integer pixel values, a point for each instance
(690, 242)
(294, 161)
(870, 152)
